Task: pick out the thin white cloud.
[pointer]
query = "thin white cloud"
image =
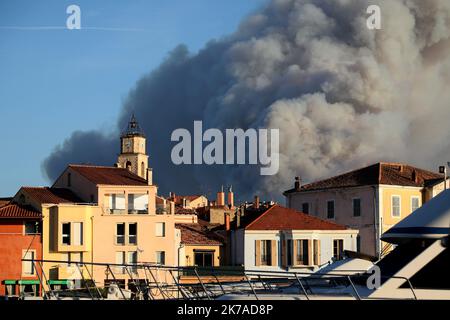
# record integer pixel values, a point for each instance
(47, 28)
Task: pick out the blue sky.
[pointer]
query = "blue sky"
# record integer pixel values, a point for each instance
(53, 82)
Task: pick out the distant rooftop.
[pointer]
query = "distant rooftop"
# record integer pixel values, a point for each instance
(52, 195)
(15, 211)
(281, 218)
(396, 174)
(198, 233)
(109, 175)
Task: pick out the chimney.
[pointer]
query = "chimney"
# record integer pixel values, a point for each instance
(149, 176)
(184, 202)
(227, 221)
(239, 215)
(401, 168)
(297, 183)
(256, 203)
(230, 199)
(172, 207)
(221, 198)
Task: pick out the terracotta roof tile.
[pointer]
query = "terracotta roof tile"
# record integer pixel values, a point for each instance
(52, 195)
(109, 175)
(282, 218)
(379, 173)
(197, 234)
(16, 211)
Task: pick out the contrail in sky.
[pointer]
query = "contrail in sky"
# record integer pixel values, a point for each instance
(47, 28)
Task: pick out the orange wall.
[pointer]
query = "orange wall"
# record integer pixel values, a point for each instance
(12, 242)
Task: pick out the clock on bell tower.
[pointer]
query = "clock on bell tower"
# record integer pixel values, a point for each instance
(133, 153)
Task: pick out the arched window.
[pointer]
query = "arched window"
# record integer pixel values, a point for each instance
(142, 169)
(128, 165)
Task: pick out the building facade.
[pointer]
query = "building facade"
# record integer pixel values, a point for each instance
(20, 238)
(281, 239)
(99, 214)
(370, 199)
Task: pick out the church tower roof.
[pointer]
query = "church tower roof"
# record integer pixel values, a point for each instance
(133, 128)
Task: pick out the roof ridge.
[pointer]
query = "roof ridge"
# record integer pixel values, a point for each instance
(93, 166)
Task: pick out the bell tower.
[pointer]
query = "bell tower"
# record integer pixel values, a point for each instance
(133, 150)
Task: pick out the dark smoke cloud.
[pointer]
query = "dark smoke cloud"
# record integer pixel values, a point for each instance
(341, 95)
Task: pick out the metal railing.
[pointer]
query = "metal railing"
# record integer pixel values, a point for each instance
(150, 281)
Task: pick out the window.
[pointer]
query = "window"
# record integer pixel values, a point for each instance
(289, 248)
(330, 209)
(142, 169)
(120, 233)
(78, 233)
(120, 259)
(396, 206)
(338, 249)
(302, 254)
(305, 207)
(266, 253)
(160, 229)
(161, 257)
(358, 243)
(28, 266)
(31, 227)
(204, 258)
(10, 290)
(66, 233)
(316, 252)
(415, 203)
(356, 207)
(69, 179)
(132, 259)
(132, 233)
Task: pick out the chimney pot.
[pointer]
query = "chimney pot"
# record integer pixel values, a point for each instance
(256, 202)
(230, 199)
(297, 183)
(221, 198)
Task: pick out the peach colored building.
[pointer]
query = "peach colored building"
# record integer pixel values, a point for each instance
(103, 214)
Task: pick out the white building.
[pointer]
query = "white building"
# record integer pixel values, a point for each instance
(282, 239)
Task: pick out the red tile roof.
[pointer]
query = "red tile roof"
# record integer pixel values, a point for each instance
(4, 201)
(380, 173)
(15, 211)
(109, 175)
(52, 195)
(197, 234)
(282, 218)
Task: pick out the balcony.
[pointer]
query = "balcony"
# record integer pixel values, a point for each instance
(137, 204)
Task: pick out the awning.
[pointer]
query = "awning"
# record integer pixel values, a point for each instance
(28, 282)
(10, 282)
(60, 282)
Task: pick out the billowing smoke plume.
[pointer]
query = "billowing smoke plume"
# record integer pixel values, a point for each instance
(342, 95)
